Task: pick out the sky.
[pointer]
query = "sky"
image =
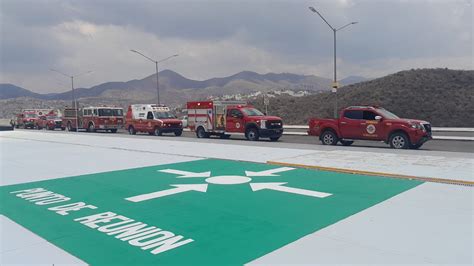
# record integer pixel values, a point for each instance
(220, 38)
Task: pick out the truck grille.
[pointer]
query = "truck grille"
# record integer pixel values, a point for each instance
(171, 125)
(271, 124)
(427, 128)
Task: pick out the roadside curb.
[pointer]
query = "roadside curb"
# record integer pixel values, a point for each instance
(370, 173)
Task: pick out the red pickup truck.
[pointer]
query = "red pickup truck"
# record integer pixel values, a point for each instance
(371, 123)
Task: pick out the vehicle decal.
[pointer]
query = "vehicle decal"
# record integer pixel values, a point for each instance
(371, 129)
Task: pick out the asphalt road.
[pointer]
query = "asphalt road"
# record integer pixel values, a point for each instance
(304, 142)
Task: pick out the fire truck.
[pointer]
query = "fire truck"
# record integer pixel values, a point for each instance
(28, 118)
(50, 121)
(93, 118)
(226, 118)
(152, 119)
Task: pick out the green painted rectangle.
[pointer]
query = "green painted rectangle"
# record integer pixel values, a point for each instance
(229, 223)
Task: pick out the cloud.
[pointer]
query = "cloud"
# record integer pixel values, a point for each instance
(217, 38)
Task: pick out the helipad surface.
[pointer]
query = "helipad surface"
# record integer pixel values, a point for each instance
(94, 194)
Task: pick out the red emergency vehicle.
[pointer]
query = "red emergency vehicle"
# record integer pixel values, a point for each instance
(50, 121)
(152, 119)
(371, 123)
(93, 118)
(28, 118)
(225, 118)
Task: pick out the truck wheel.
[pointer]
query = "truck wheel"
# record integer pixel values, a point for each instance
(329, 138)
(399, 140)
(346, 142)
(416, 146)
(131, 130)
(178, 133)
(90, 128)
(252, 134)
(274, 138)
(158, 132)
(201, 133)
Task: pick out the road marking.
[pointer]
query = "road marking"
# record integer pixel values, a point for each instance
(270, 172)
(171, 191)
(185, 174)
(370, 173)
(278, 186)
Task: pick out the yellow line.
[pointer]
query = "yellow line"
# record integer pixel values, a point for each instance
(350, 171)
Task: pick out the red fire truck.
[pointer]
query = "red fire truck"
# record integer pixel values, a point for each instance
(225, 118)
(152, 119)
(49, 121)
(28, 118)
(93, 118)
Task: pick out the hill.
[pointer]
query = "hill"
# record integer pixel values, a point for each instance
(8, 91)
(174, 88)
(442, 96)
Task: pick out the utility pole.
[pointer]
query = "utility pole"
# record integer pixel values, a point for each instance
(335, 30)
(156, 67)
(74, 101)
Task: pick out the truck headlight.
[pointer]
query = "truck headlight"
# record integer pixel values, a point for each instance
(417, 126)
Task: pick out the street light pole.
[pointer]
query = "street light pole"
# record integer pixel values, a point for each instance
(334, 85)
(156, 67)
(74, 101)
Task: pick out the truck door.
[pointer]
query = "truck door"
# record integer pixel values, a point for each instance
(350, 123)
(371, 128)
(234, 121)
(147, 124)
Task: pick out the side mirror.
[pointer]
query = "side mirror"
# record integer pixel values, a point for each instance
(378, 118)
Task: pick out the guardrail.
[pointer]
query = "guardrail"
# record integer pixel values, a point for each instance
(434, 129)
(303, 132)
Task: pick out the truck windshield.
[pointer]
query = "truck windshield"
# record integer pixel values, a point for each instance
(252, 112)
(117, 112)
(387, 114)
(30, 115)
(163, 115)
(110, 112)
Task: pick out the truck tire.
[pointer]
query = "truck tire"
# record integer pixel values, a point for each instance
(399, 140)
(69, 127)
(90, 128)
(157, 132)
(131, 130)
(178, 133)
(201, 133)
(329, 138)
(346, 142)
(274, 138)
(252, 134)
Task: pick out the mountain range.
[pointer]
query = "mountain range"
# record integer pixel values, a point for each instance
(175, 88)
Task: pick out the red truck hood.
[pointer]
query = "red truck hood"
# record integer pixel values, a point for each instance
(170, 120)
(265, 117)
(407, 120)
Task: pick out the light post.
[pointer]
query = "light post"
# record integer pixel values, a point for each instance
(334, 85)
(74, 102)
(156, 66)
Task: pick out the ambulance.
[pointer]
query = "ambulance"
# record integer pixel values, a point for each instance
(226, 118)
(152, 119)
